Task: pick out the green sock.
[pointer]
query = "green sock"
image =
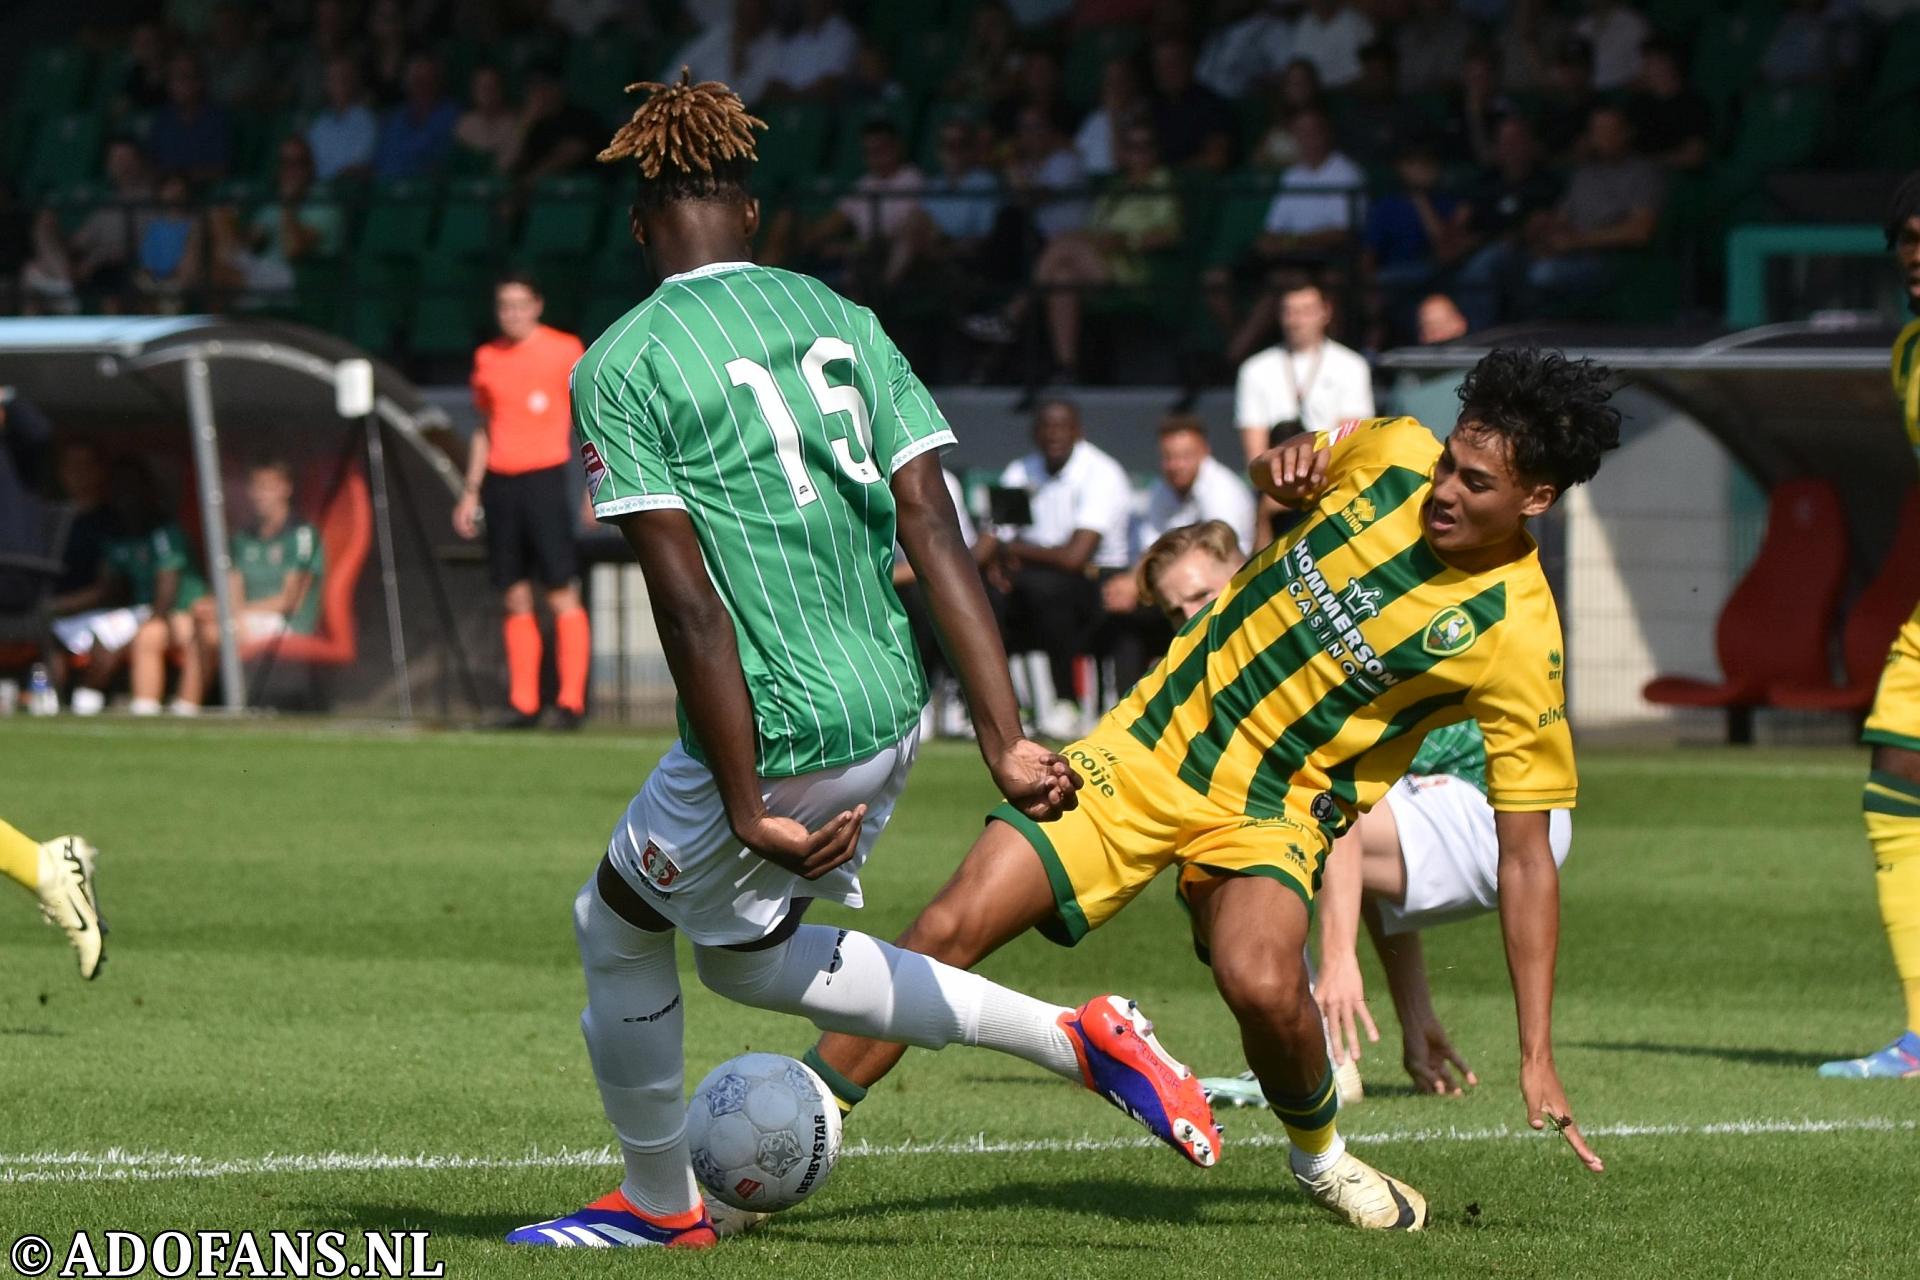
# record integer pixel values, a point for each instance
(845, 1092)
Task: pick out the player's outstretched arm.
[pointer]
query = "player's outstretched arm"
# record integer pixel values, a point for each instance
(1036, 781)
(1530, 923)
(696, 632)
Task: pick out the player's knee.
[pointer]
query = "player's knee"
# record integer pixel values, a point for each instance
(747, 977)
(518, 598)
(1261, 986)
(945, 933)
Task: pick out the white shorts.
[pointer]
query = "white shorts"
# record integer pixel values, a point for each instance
(675, 848)
(1451, 854)
(111, 629)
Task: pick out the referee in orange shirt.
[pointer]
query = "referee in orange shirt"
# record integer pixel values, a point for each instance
(517, 475)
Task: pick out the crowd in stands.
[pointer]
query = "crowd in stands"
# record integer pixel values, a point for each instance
(1017, 171)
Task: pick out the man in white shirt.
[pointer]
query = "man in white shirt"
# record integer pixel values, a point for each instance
(1240, 55)
(1042, 576)
(1330, 35)
(1615, 32)
(1319, 203)
(818, 54)
(1193, 487)
(1309, 378)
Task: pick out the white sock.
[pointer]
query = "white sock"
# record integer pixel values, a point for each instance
(634, 1024)
(847, 981)
(87, 701)
(144, 707)
(1313, 1166)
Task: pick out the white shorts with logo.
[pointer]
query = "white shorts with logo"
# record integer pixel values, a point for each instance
(675, 848)
(1451, 854)
(111, 629)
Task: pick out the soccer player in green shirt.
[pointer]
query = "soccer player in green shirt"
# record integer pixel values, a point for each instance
(762, 445)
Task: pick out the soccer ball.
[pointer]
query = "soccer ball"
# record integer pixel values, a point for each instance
(764, 1132)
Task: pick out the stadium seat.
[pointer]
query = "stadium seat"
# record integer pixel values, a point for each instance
(449, 307)
(53, 80)
(469, 219)
(1087, 59)
(598, 70)
(562, 218)
(399, 218)
(1899, 75)
(65, 150)
(796, 143)
(1731, 44)
(374, 306)
(1886, 602)
(346, 535)
(1773, 628)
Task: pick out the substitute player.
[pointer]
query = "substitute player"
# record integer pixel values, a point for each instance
(1892, 799)
(762, 445)
(1409, 598)
(60, 874)
(517, 476)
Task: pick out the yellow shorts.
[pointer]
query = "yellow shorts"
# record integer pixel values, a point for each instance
(1136, 818)
(1895, 719)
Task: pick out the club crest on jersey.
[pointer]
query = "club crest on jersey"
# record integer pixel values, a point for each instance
(657, 867)
(1450, 632)
(595, 467)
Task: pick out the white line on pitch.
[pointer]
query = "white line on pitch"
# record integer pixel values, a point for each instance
(115, 1165)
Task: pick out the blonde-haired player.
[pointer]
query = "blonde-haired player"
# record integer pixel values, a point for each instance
(59, 873)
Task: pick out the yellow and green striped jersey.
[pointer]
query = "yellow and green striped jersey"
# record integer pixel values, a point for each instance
(1308, 685)
(1906, 386)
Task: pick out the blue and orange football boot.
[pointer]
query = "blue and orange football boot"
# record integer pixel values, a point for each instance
(1898, 1061)
(1122, 1062)
(611, 1222)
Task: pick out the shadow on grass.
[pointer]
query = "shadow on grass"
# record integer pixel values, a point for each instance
(414, 1217)
(1725, 1053)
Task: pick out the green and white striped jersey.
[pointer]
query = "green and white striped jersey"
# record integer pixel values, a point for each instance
(773, 412)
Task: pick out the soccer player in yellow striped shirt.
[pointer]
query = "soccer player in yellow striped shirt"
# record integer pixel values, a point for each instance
(1891, 802)
(1410, 597)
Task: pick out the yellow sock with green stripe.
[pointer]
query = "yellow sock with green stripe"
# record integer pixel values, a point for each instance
(19, 858)
(844, 1091)
(1309, 1122)
(1892, 806)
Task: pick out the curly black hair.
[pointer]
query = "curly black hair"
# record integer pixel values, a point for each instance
(1905, 204)
(1552, 412)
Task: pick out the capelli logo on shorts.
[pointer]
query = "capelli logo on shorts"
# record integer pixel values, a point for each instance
(657, 867)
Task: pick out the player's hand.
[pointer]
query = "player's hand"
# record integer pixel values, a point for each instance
(1342, 994)
(1547, 1105)
(1430, 1058)
(1036, 781)
(1292, 473)
(788, 844)
(466, 516)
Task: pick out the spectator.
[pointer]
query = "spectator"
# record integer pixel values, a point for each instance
(1187, 567)
(1330, 35)
(1319, 203)
(1411, 235)
(416, 135)
(1194, 125)
(1308, 378)
(342, 136)
(1432, 47)
(817, 54)
(1615, 31)
(389, 51)
(1377, 118)
(1482, 105)
(989, 60)
(517, 465)
(330, 35)
(295, 227)
(1299, 90)
(144, 86)
(82, 476)
(190, 135)
(243, 76)
(1508, 196)
(872, 83)
(1252, 44)
(1611, 208)
(146, 575)
(1801, 50)
(1138, 215)
(277, 566)
(960, 206)
(97, 260)
(741, 51)
(489, 129)
(1671, 122)
(1044, 170)
(172, 242)
(871, 220)
(1035, 83)
(1440, 320)
(556, 136)
(1120, 100)
(584, 19)
(1528, 42)
(1569, 98)
(1193, 486)
(1041, 577)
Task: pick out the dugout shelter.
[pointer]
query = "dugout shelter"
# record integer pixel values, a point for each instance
(198, 398)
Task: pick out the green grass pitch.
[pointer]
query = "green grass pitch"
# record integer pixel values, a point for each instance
(353, 949)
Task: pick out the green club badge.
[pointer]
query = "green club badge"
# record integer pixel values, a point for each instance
(1450, 632)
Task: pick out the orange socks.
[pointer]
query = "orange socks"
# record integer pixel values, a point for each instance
(573, 651)
(523, 662)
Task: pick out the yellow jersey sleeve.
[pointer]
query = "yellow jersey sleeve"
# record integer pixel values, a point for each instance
(1520, 704)
(1906, 379)
(1363, 444)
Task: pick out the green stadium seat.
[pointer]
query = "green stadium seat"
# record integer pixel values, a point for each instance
(1677, 19)
(65, 150)
(562, 218)
(1241, 211)
(399, 220)
(470, 220)
(1778, 128)
(1087, 59)
(795, 145)
(1730, 46)
(1899, 75)
(53, 81)
(449, 313)
(375, 303)
(599, 70)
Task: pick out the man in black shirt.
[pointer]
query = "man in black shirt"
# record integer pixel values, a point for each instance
(1195, 126)
(1671, 123)
(1513, 190)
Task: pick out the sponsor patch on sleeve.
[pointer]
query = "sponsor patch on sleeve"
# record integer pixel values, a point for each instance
(595, 467)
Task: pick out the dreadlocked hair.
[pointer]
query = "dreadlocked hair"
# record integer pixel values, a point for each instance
(688, 141)
(1905, 205)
